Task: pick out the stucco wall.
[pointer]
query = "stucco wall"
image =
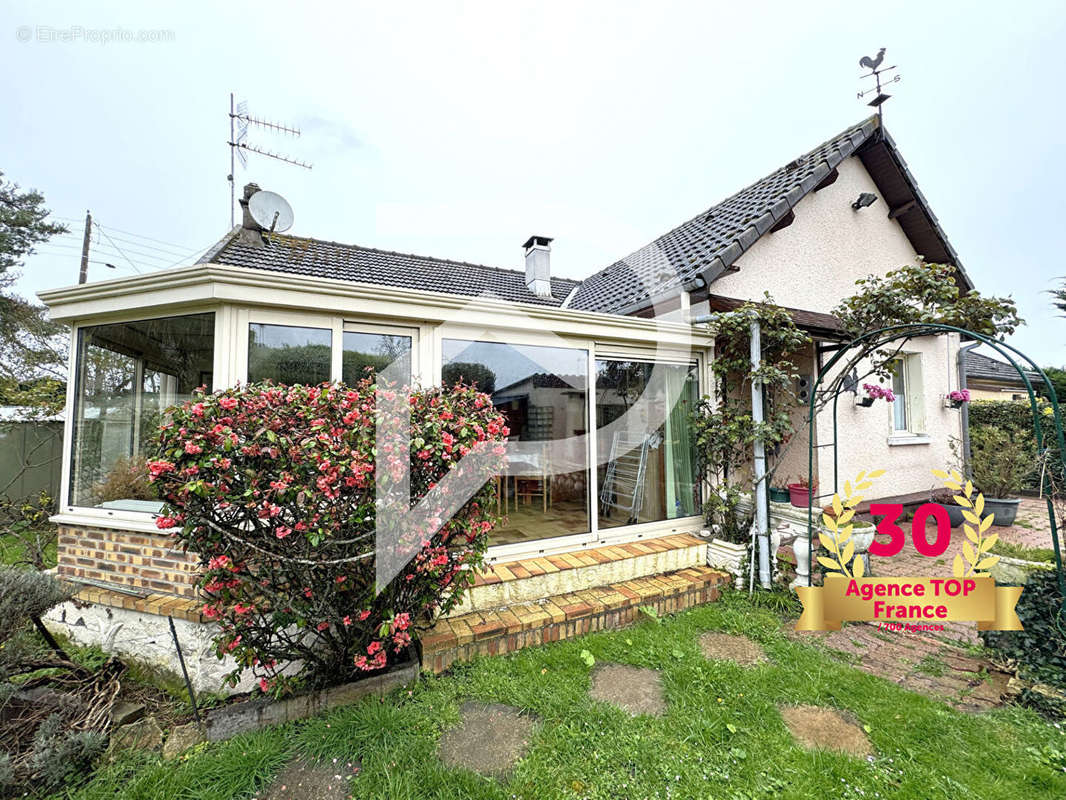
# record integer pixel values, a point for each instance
(814, 263)
(866, 439)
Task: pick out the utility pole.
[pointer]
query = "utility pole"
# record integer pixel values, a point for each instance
(83, 274)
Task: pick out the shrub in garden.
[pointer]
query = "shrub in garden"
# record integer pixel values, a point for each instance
(275, 488)
(1000, 464)
(1040, 649)
(24, 594)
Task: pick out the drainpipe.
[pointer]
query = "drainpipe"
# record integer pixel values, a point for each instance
(761, 501)
(961, 358)
(762, 523)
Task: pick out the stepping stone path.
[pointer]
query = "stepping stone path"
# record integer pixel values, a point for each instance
(632, 689)
(489, 740)
(826, 729)
(304, 780)
(729, 647)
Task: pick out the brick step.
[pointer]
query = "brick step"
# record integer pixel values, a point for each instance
(508, 583)
(564, 616)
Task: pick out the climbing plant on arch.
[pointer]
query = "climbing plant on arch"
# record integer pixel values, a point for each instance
(869, 342)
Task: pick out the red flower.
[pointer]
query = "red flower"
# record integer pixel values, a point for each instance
(373, 647)
(229, 403)
(164, 522)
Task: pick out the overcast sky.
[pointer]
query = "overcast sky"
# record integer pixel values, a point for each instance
(459, 129)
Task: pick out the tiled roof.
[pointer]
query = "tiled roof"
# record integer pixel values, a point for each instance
(712, 240)
(321, 259)
(983, 367)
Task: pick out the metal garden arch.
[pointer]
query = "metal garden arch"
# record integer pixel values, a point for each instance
(871, 341)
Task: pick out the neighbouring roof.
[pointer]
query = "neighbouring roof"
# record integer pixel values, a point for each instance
(322, 259)
(709, 243)
(985, 368)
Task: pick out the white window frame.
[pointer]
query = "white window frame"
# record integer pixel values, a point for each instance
(913, 398)
(70, 514)
(230, 366)
(594, 537)
(337, 324)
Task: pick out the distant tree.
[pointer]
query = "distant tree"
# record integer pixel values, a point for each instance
(1057, 377)
(471, 374)
(1060, 296)
(32, 347)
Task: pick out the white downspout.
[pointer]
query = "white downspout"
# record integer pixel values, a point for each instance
(762, 524)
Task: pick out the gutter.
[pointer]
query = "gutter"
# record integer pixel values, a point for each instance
(690, 285)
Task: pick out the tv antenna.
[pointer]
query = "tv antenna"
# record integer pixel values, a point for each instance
(876, 71)
(239, 122)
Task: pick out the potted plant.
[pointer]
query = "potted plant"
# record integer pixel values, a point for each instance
(801, 493)
(862, 534)
(779, 494)
(956, 398)
(999, 467)
(729, 532)
(947, 501)
(874, 391)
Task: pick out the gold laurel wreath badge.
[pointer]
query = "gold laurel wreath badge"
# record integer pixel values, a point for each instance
(972, 560)
(840, 526)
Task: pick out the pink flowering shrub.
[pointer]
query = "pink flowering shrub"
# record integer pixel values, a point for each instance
(275, 487)
(879, 392)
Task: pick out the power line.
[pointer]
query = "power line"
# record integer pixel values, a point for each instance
(119, 249)
(159, 255)
(113, 229)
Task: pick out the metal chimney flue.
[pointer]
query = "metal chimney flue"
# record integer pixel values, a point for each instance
(538, 265)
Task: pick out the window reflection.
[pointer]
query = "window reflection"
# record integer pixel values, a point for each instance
(289, 354)
(372, 352)
(543, 393)
(646, 444)
(128, 374)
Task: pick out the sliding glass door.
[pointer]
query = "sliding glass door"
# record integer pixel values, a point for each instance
(645, 444)
(543, 394)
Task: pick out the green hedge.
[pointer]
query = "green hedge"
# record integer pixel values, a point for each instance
(1017, 419)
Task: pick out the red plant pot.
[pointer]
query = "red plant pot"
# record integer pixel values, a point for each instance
(800, 495)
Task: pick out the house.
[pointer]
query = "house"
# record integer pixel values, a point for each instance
(989, 378)
(605, 370)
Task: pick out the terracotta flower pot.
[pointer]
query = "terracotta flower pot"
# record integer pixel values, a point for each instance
(800, 495)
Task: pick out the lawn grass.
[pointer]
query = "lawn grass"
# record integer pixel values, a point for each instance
(722, 736)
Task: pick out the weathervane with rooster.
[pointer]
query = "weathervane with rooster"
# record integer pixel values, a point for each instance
(876, 70)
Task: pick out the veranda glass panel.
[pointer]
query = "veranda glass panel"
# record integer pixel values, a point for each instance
(372, 352)
(542, 392)
(127, 375)
(289, 354)
(647, 454)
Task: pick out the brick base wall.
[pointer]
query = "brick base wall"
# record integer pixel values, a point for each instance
(148, 563)
(566, 616)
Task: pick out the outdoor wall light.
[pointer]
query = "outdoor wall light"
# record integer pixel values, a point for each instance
(865, 199)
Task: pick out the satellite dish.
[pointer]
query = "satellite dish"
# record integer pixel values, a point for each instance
(271, 211)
